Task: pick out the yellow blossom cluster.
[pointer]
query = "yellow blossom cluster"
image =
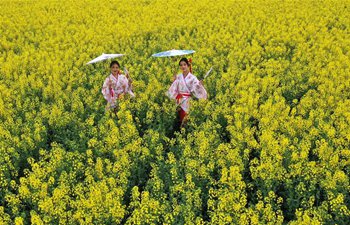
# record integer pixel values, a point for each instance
(270, 145)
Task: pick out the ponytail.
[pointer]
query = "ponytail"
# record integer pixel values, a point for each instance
(190, 61)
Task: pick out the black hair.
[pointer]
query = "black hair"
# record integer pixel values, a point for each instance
(185, 60)
(114, 62)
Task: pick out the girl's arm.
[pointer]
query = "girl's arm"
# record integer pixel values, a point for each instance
(106, 89)
(198, 89)
(173, 90)
(129, 86)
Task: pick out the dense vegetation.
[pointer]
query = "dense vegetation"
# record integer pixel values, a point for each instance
(271, 145)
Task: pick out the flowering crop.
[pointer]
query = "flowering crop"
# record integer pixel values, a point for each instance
(271, 145)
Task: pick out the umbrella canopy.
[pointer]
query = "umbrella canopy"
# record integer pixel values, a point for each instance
(173, 52)
(104, 57)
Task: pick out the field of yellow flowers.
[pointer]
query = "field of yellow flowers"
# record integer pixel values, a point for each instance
(271, 145)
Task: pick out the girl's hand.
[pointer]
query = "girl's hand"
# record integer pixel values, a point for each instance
(110, 84)
(174, 77)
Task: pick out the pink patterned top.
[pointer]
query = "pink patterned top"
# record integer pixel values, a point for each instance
(182, 88)
(113, 87)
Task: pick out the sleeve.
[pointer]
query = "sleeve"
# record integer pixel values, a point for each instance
(105, 90)
(173, 90)
(198, 89)
(127, 87)
(129, 90)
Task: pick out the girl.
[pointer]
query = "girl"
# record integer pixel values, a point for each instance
(115, 85)
(183, 86)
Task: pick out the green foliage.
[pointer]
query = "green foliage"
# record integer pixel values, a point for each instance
(271, 145)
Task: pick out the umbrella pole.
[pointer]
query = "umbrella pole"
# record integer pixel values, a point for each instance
(175, 67)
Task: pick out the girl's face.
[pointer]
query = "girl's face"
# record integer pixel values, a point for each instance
(184, 66)
(115, 69)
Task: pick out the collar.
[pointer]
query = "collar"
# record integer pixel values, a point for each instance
(189, 74)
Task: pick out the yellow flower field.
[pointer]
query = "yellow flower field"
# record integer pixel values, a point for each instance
(271, 145)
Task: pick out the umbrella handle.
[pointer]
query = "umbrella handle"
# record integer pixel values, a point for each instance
(208, 73)
(127, 73)
(175, 66)
(175, 69)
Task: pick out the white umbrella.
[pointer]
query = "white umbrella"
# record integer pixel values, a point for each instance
(104, 57)
(173, 52)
